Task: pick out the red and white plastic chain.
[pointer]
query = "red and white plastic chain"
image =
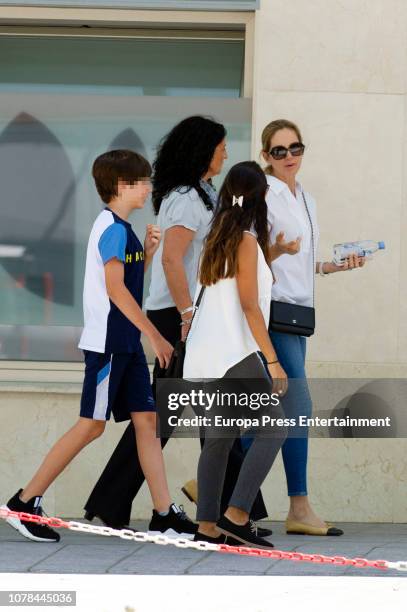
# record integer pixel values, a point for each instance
(138, 536)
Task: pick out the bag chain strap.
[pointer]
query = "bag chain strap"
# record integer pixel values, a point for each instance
(198, 301)
(313, 250)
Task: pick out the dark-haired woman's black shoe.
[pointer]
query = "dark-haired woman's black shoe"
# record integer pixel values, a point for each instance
(89, 516)
(262, 532)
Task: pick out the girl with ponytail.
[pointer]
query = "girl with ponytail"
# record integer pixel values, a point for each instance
(227, 333)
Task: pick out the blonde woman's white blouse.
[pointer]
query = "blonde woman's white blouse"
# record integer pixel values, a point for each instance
(293, 274)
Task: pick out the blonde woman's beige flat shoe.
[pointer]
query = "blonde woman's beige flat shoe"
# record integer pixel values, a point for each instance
(190, 489)
(293, 527)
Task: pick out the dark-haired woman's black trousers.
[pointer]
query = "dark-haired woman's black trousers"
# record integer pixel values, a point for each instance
(120, 481)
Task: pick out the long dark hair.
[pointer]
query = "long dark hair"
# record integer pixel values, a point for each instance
(219, 258)
(184, 156)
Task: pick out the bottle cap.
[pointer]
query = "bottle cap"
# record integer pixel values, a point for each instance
(381, 244)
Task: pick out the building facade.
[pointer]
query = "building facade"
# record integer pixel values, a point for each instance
(78, 77)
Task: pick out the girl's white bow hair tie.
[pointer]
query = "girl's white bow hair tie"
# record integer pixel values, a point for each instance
(238, 201)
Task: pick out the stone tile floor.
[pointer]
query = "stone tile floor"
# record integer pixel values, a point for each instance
(79, 553)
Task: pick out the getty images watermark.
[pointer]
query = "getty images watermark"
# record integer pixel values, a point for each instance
(329, 408)
(198, 399)
(253, 401)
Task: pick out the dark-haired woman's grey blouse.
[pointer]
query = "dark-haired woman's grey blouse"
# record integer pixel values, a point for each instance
(184, 208)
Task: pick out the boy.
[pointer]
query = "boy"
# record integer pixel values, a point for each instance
(116, 379)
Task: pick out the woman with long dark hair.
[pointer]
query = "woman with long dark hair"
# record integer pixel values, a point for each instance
(183, 199)
(228, 331)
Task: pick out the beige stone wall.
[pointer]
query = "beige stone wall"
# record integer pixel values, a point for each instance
(350, 480)
(338, 69)
(32, 420)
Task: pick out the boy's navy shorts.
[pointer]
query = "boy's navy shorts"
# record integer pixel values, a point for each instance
(117, 383)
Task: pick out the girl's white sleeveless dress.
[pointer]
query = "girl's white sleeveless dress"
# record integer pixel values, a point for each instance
(220, 336)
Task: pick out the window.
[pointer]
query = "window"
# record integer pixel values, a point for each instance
(222, 5)
(57, 113)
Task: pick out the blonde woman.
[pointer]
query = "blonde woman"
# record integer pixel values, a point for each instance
(292, 216)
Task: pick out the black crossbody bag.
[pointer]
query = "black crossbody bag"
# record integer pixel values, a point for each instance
(176, 366)
(291, 318)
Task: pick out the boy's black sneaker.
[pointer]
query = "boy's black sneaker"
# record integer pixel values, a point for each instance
(31, 531)
(175, 524)
(242, 533)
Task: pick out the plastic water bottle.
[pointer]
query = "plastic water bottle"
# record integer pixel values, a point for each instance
(362, 248)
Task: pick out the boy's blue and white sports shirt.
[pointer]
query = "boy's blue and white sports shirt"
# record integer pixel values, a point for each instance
(106, 329)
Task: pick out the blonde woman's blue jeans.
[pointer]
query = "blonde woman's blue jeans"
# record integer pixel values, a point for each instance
(291, 351)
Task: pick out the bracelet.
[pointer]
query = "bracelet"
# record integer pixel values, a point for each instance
(321, 269)
(186, 321)
(271, 362)
(189, 309)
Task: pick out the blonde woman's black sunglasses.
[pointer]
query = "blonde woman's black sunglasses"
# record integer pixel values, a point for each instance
(296, 149)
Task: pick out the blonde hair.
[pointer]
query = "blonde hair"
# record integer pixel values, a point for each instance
(271, 129)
